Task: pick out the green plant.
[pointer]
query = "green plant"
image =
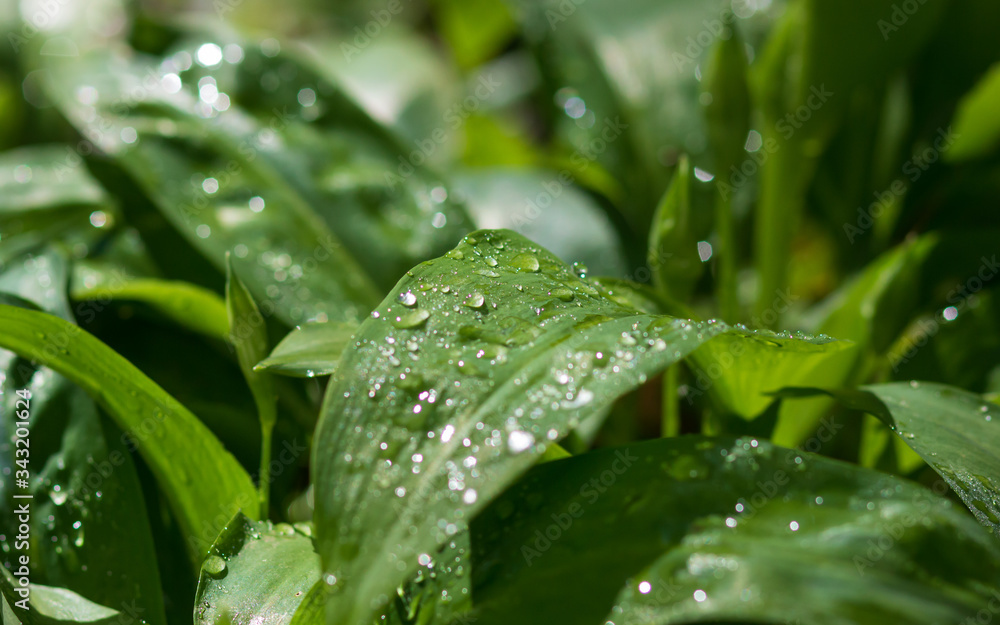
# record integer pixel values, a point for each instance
(727, 350)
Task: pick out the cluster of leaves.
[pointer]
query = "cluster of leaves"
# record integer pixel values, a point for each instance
(782, 215)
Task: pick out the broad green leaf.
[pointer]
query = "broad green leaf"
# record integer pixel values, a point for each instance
(716, 530)
(297, 182)
(46, 178)
(46, 193)
(461, 379)
(245, 204)
(976, 125)
(186, 304)
(741, 368)
(954, 431)
(673, 254)
(88, 517)
(256, 572)
(310, 350)
(47, 605)
(248, 336)
(401, 80)
(179, 450)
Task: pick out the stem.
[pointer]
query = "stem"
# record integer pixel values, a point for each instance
(266, 428)
(671, 425)
(785, 177)
(726, 283)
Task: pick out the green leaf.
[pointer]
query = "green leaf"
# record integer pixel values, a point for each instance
(716, 530)
(8, 615)
(48, 605)
(869, 310)
(88, 517)
(673, 241)
(310, 350)
(976, 125)
(728, 111)
(954, 431)
(179, 450)
(741, 368)
(461, 379)
(256, 572)
(248, 336)
(293, 196)
(312, 610)
(474, 29)
(46, 193)
(46, 178)
(186, 304)
(728, 118)
(253, 206)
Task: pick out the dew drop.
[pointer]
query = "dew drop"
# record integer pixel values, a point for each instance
(407, 299)
(525, 262)
(475, 300)
(214, 566)
(519, 441)
(411, 318)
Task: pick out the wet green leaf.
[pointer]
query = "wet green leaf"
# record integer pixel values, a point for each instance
(46, 192)
(293, 191)
(313, 349)
(179, 450)
(47, 605)
(716, 530)
(87, 508)
(741, 368)
(461, 379)
(954, 431)
(256, 572)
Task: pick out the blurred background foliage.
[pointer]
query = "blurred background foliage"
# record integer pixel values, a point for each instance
(831, 167)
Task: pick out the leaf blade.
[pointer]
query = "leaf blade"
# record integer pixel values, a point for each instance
(137, 404)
